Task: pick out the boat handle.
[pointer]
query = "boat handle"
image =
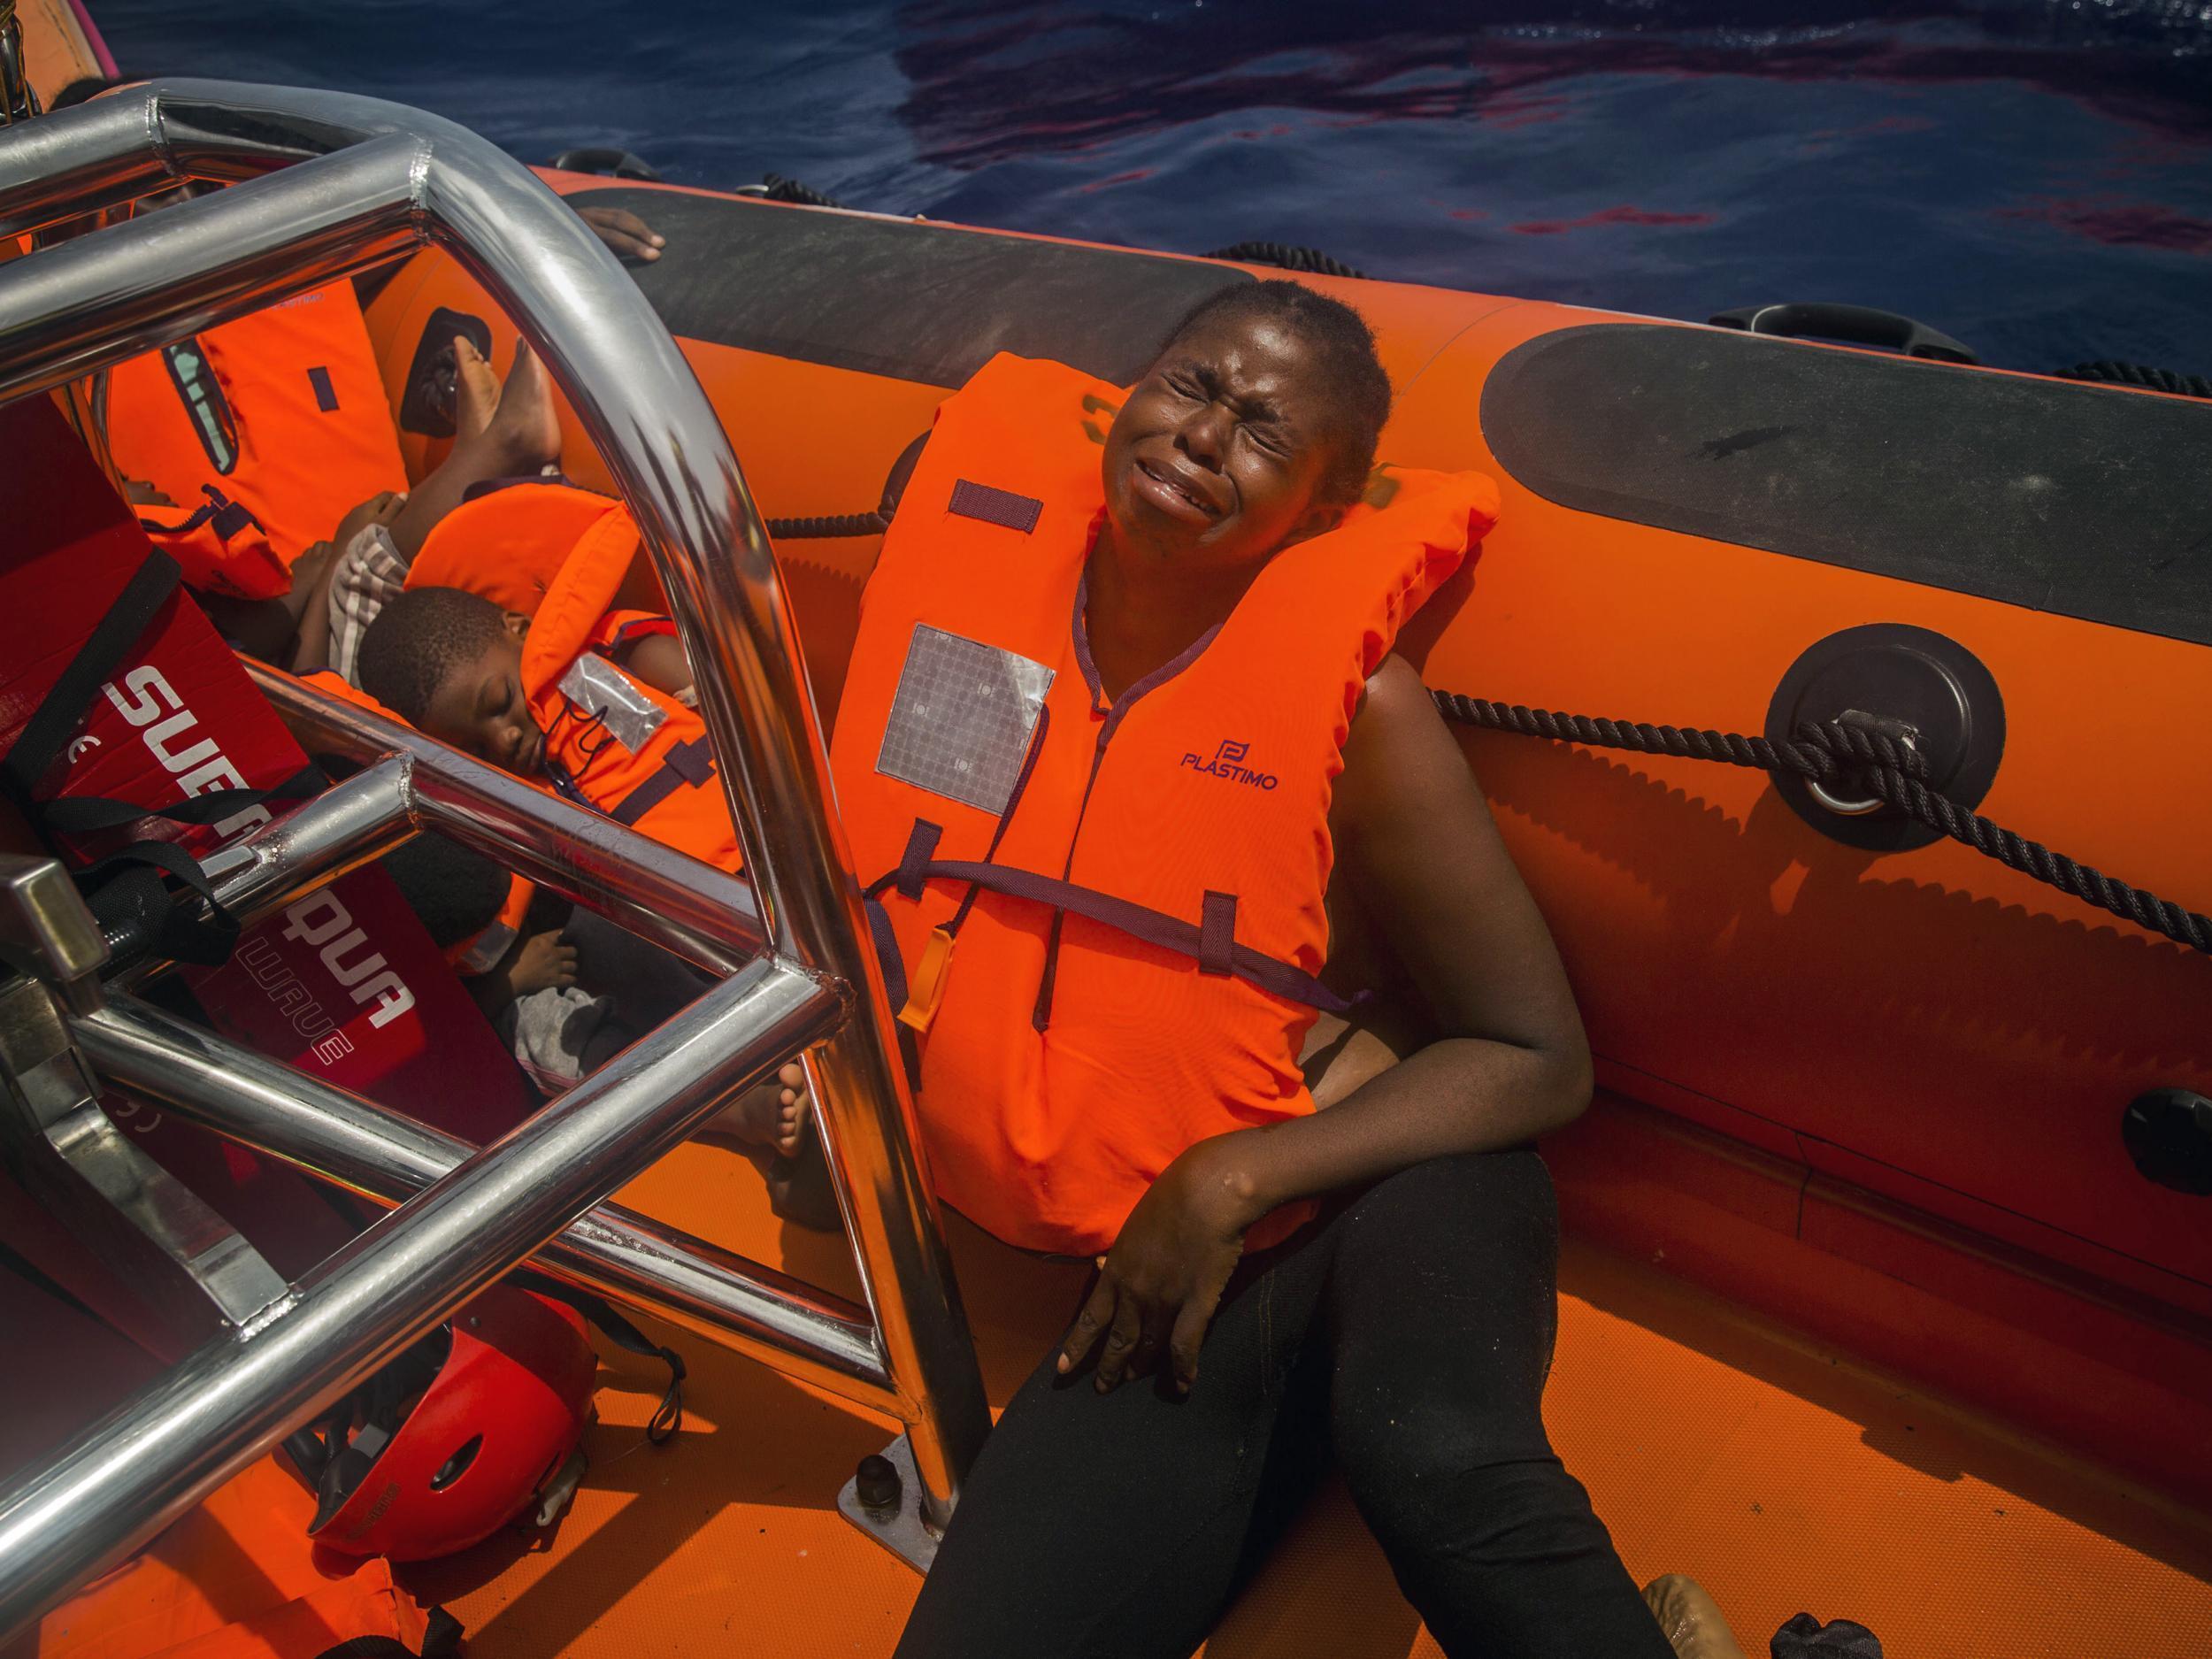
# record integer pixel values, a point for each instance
(617, 164)
(1857, 325)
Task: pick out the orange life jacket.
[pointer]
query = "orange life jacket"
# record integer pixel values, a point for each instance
(1135, 888)
(263, 433)
(567, 558)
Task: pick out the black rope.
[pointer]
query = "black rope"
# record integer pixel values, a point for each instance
(843, 523)
(782, 189)
(2139, 374)
(1891, 771)
(1285, 255)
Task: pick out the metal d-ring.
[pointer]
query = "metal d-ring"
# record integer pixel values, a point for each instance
(1852, 806)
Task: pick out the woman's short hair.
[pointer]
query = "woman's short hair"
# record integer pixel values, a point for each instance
(1359, 388)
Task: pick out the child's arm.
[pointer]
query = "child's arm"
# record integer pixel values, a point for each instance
(311, 644)
(658, 660)
(542, 962)
(311, 640)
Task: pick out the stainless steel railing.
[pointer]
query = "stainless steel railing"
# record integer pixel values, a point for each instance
(324, 185)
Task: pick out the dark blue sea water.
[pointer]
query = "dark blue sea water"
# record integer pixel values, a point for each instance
(2033, 176)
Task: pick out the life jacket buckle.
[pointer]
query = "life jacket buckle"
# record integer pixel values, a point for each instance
(927, 982)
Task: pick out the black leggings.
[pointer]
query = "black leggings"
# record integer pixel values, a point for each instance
(1408, 1335)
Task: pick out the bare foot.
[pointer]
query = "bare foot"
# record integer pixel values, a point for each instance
(475, 389)
(771, 1114)
(1691, 1619)
(521, 427)
(792, 1104)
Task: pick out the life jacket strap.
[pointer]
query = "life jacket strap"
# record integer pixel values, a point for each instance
(89, 814)
(227, 518)
(102, 652)
(685, 765)
(1218, 933)
(921, 846)
(1216, 954)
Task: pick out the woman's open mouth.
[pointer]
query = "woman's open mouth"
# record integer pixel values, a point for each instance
(1171, 495)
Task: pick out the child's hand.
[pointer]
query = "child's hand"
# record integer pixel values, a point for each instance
(379, 509)
(544, 962)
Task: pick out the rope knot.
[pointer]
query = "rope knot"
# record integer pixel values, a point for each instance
(1861, 746)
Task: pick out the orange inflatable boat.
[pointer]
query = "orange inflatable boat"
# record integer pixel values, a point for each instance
(1888, 1287)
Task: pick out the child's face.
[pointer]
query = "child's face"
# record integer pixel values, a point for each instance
(481, 708)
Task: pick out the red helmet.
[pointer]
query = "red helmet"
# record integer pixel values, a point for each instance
(448, 1443)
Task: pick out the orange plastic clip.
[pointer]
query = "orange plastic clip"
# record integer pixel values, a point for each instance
(926, 984)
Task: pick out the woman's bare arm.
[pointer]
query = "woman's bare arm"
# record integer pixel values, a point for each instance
(1505, 1059)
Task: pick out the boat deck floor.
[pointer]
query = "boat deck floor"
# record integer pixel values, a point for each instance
(1783, 1478)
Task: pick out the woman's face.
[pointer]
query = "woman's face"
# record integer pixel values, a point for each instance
(1216, 456)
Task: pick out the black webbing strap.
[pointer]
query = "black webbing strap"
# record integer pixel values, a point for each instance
(86, 814)
(92, 667)
(229, 517)
(1142, 922)
(668, 1416)
(135, 911)
(132, 902)
(685, 765)
(886, 943)
(921, 847)
(894, 989)
(1218, 933)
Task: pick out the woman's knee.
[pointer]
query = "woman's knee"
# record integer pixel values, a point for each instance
(1451, 1249)
(1445, 1193)
(1391, 1432)
(1441, 1316)
(1498, 1513)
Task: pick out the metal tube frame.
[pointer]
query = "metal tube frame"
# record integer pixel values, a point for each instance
(355, 181)
(117, 1484)
(386, 1156)
(705, 916)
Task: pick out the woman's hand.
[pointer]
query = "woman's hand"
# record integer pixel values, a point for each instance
(1159, 1285)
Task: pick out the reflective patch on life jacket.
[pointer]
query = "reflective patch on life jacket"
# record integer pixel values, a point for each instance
(606, 695)
(962, 719)
(205, 403)
(325, 393)
(486, 951)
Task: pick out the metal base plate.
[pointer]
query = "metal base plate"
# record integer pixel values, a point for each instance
(1926, 679)
(901, 1531)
